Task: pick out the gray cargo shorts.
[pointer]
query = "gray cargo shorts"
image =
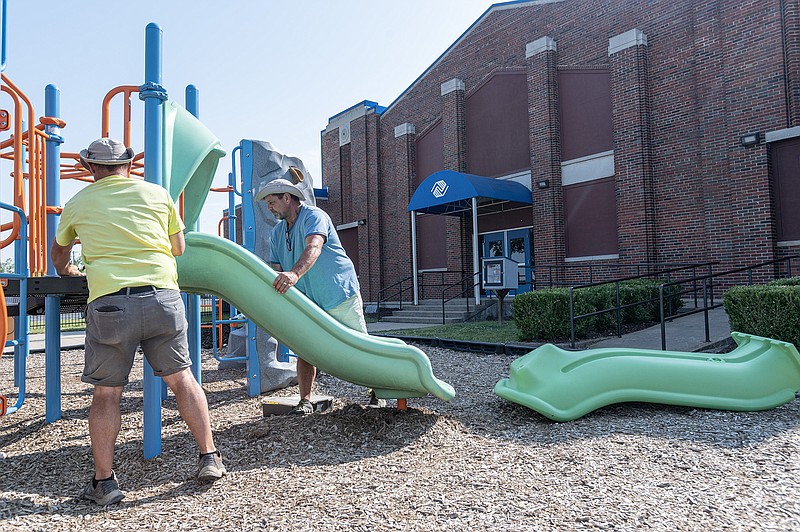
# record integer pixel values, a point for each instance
(117, 324)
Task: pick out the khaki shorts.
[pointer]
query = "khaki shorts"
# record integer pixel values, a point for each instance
(350, 313)
(117, 324)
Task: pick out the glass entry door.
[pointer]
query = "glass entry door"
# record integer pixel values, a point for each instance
(516, 245)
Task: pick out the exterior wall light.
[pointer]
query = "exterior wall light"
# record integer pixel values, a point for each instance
(543, 183)
(750, 139)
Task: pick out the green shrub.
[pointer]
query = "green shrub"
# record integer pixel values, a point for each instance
(544, 315)
(789, 281)
(645, 291)
(771, 310)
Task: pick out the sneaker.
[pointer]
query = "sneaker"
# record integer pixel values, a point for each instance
(210, 467)
(303, 407)
(374, 401)
(106, 492)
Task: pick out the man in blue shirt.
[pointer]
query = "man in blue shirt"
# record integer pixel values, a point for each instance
(306, 252)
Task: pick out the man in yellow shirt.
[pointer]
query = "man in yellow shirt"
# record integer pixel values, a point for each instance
(130, 233)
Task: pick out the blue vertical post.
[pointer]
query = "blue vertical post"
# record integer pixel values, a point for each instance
(249, 242)
(21, 352)
(193, 300)
(153, 95)
(52, 303)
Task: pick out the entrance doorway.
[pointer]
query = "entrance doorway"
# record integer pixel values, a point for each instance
(516, 245)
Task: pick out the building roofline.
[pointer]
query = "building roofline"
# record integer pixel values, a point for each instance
(494, 7)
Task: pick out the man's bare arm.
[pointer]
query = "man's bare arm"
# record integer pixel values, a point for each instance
(313, 248)
(178, 243)
(60, 256)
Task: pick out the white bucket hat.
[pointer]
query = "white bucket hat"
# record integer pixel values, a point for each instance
(106, 151)
(278, 186)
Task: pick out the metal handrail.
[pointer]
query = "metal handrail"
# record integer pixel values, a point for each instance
(619, 307)
(398, 294)
(592, 267)
(708, 293)
(465, 290)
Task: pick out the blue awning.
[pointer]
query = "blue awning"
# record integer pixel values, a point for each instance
(450, 192)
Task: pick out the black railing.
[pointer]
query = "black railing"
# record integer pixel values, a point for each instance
(582, 274)
(707, 289)
(667, 273)
(467, 284)
(394, 291)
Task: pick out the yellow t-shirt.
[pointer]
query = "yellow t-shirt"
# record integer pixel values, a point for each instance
(124, 226)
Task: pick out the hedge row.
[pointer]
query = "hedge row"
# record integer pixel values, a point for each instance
(544, 314)
(771, 310)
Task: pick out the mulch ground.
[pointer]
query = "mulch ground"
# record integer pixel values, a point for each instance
(477, 462)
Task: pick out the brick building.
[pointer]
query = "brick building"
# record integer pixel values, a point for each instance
(647, 131)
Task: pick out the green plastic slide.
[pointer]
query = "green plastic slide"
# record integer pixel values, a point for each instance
(213, 265)
(761, 373)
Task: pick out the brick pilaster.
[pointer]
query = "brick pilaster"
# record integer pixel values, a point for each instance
(632, 147)
(397, 189)
(791, 38)
(549, 246)
(454, 157)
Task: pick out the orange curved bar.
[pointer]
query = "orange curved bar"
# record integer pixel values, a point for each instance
(19, 184)
(52, 121)
(36, 184)
(221, 189)
(34, 138)
(219, 225)
(127, 90)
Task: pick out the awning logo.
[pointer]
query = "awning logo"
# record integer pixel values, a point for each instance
(439, 188)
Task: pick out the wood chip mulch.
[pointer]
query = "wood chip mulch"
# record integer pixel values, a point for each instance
(475, 463)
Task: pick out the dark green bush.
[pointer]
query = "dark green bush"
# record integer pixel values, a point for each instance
(771, 310)
(789, 281)
(544, 315)
(645, 292)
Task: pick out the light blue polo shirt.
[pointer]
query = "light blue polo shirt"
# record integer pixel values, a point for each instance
(332, 279)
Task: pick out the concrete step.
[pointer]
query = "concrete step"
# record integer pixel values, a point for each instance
(417, 319)
(428, 313)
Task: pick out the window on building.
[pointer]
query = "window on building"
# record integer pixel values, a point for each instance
(496, 115)
(786, 181)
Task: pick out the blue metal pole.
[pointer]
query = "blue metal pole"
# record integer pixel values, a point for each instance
(193, 300)
(21, 351)
(248, 241)
(52, 303)
(21, 345)
(153, 95)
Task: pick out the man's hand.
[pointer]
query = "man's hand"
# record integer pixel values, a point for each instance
(284, 281)
(71, 271)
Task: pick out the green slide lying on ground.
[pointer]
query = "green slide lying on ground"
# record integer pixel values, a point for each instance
(213, 265)
(761, 373)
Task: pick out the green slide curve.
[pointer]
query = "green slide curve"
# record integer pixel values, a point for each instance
(213, 265)
(761, 373)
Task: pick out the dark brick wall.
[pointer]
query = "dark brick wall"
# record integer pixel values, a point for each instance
(711, 71)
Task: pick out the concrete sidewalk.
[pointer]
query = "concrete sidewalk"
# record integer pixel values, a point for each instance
(686, 333)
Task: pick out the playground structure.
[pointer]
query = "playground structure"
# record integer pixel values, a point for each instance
(182, 155)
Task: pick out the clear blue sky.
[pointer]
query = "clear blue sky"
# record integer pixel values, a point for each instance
(272, 70)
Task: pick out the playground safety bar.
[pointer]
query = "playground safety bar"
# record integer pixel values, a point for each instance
(20, 276)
